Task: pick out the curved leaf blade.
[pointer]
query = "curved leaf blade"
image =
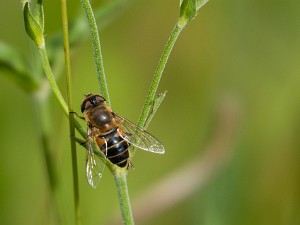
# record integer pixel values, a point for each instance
(188, 10)
(13, 62)
(32, 27)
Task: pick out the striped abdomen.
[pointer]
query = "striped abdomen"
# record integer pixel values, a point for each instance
(117, 148)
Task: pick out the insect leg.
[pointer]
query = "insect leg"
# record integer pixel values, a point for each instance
(130, 166)
(81, 117)
(79, 140)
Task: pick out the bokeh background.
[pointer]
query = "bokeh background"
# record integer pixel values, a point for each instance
(232, 108)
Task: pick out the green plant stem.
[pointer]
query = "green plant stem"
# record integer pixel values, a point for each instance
(161, 66)
(44, 127)
(97, 49)
(121, 183)
(122, 188)
(120, 175)
(70, 106)
(74, 169)
(54, 87)
(158, 74)
(79, 128)
(50, 77)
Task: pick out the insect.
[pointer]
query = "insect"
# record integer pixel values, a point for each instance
(113, 135)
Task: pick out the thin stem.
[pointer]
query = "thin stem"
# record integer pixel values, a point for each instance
(67, 51)
(53, 84)
(121, 183)
(44, 127)
(70, 106)
(79, 128)
(120, 175)
(54, 87)
(161, 66)
(74, 168)
(97, 49)
(158, 74)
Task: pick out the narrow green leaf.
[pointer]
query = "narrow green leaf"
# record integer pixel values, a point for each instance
(155, 105)
(188, 10)
(32, 27)
(201, 3)
(12, 61)
(39, 13)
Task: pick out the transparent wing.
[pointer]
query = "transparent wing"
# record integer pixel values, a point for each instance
(138, 137)
(94, 165)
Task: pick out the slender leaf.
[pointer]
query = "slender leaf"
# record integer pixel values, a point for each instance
(201, 3)
(12, 61)
(188, 9)
(39, 13)
(32, 27)
(155, 105)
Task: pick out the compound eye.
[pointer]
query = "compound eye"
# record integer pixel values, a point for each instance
(86, 105)
(93, 100)
(99, 99)
(96, 100)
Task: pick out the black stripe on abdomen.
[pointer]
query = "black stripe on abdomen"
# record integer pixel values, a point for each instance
(117, 151)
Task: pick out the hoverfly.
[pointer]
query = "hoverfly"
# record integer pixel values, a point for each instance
(113, 135)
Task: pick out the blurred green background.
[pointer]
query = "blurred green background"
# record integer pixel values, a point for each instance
(247, 51)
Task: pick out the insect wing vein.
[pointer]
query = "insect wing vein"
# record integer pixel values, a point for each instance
(94, 165)
(139, 137)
